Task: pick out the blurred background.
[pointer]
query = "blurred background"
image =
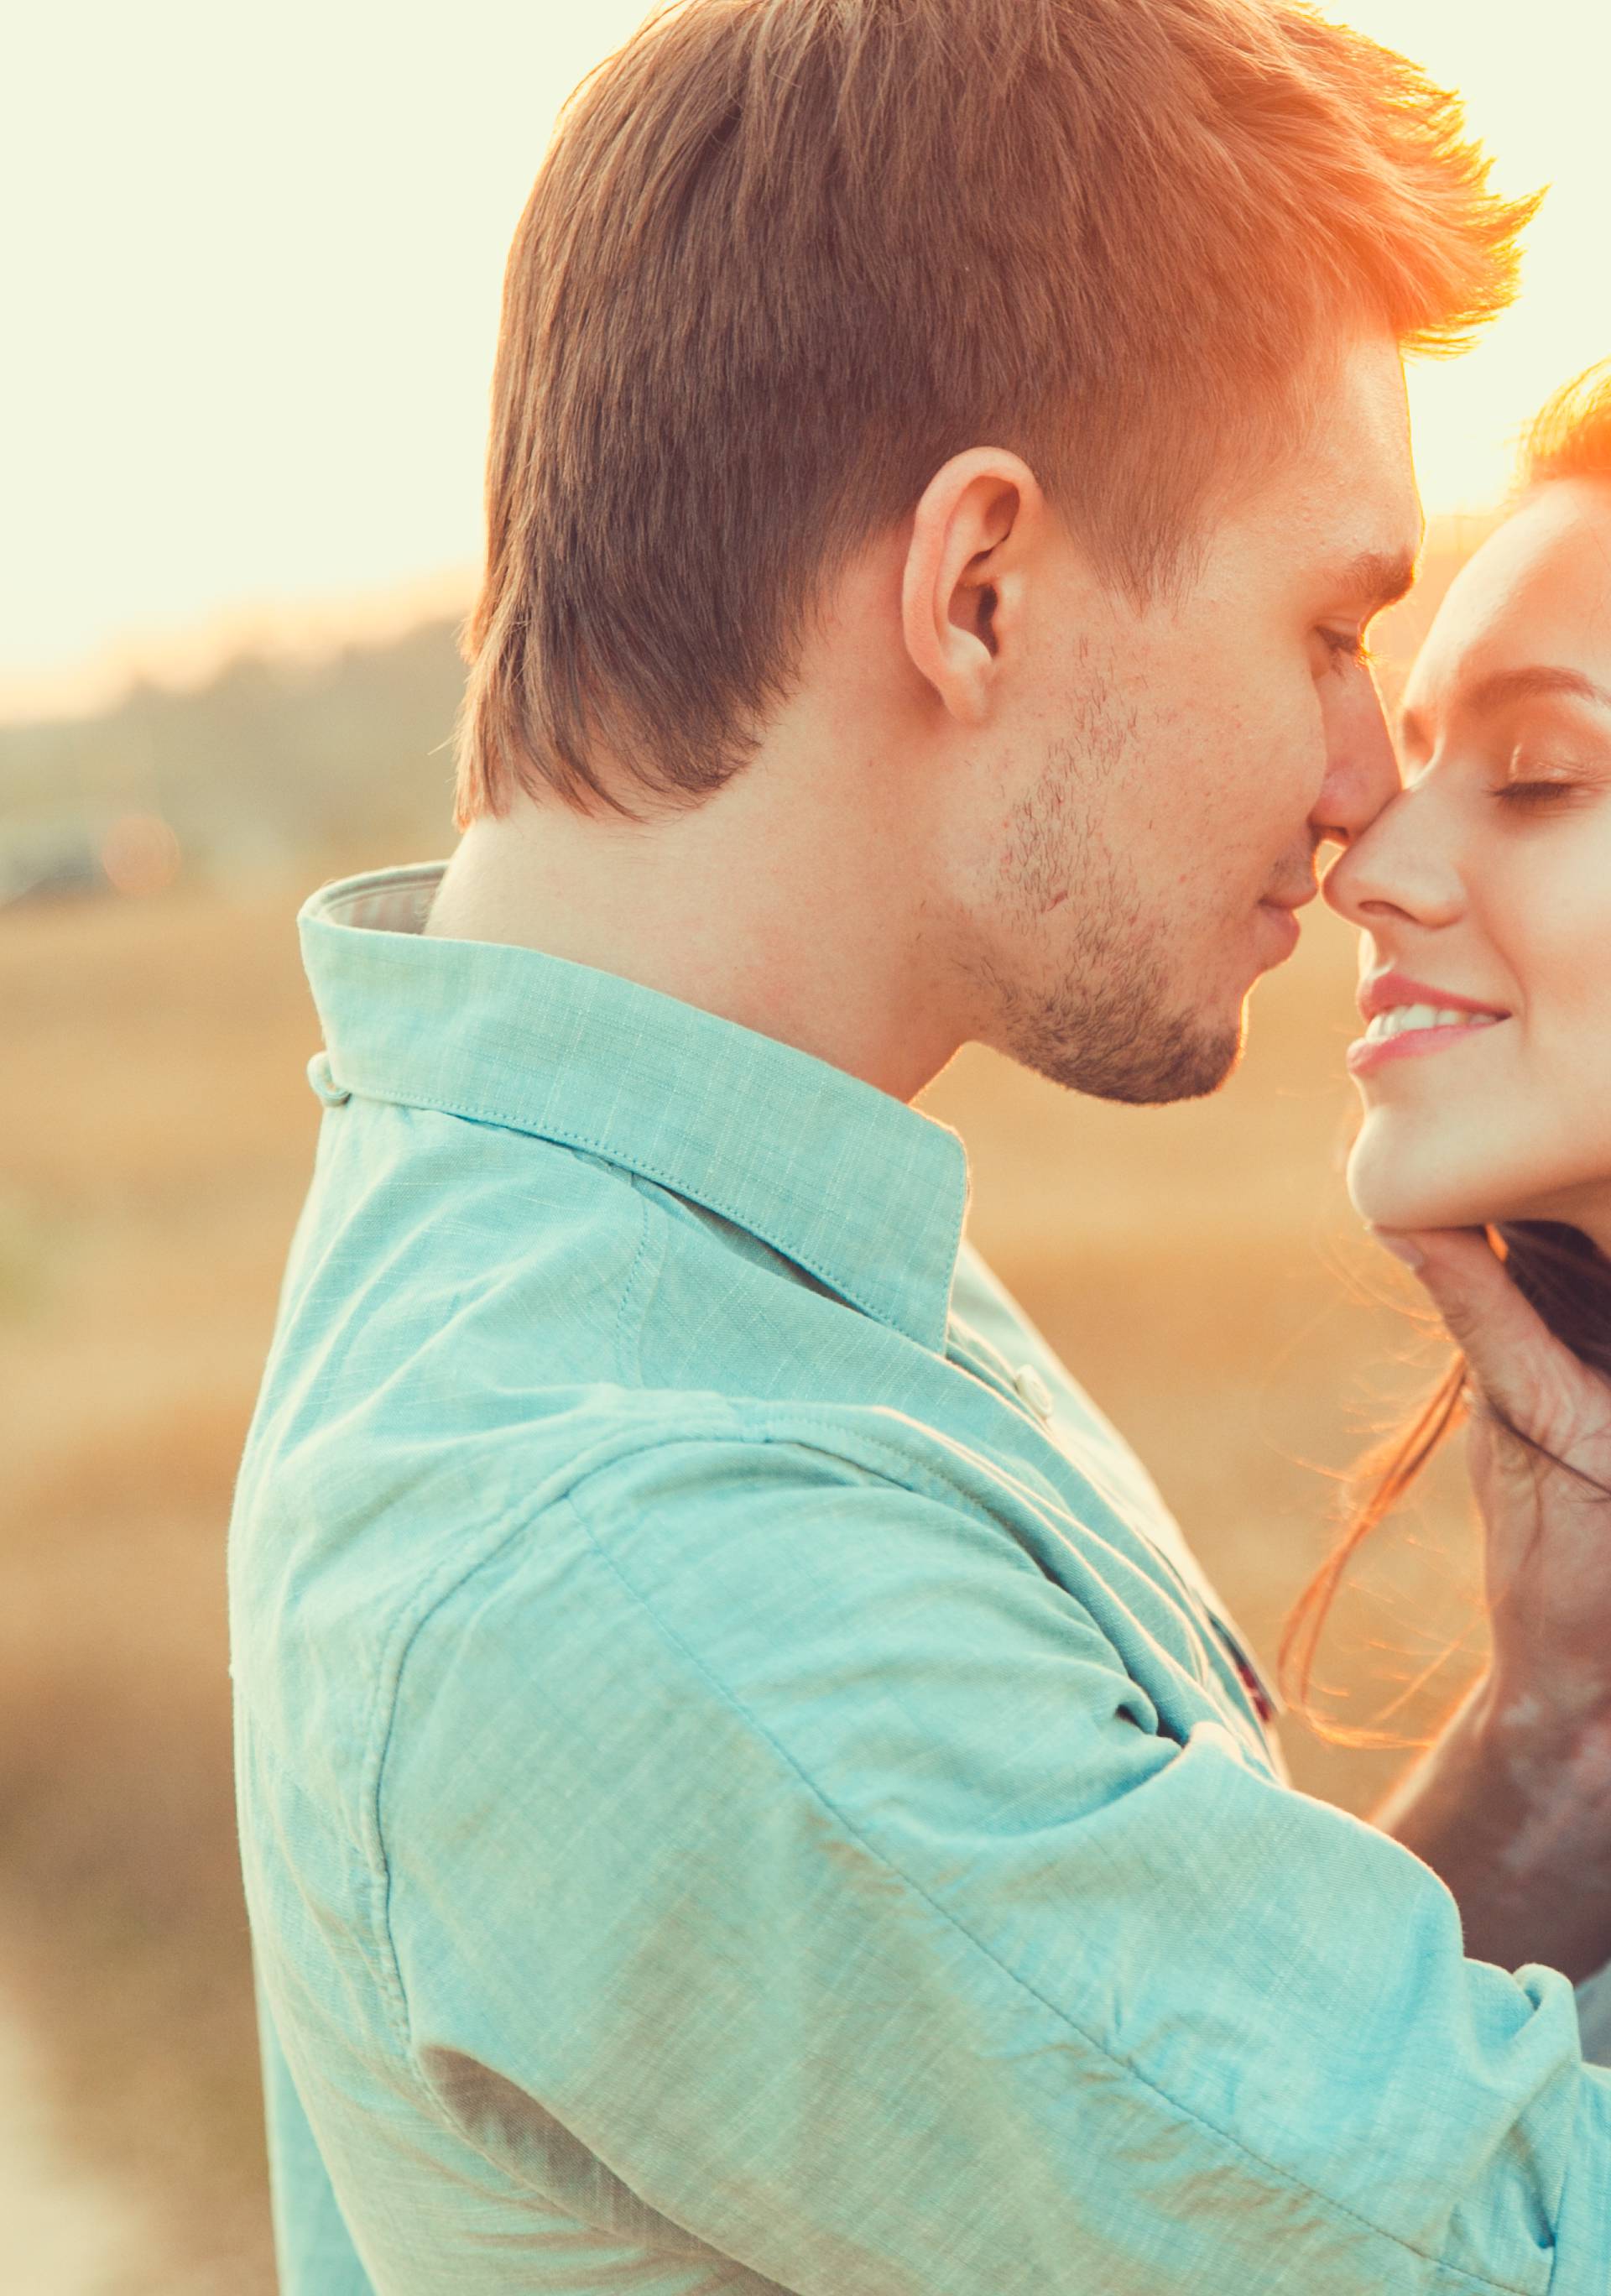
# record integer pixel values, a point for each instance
(253, 270)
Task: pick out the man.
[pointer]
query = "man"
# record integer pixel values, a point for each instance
(742, 1784)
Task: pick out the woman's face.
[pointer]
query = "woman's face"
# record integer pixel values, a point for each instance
(1487, 884)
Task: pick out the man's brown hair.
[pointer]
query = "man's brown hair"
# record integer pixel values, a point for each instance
(785, 257)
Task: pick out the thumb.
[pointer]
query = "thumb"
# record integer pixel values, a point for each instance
(1515, 1359)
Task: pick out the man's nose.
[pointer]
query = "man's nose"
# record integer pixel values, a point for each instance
(1362, 775)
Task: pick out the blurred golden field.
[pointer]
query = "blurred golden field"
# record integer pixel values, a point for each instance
(1198, 1267)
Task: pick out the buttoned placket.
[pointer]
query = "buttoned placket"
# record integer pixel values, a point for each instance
(1026, 1387)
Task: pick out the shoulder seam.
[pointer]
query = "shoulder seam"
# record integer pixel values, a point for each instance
(441, 1588)
(405, 1629)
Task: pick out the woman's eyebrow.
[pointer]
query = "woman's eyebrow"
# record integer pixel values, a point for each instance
(1503, 686)
(1538, 681)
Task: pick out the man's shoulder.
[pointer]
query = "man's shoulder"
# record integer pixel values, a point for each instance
(759, 1582)
(681, 1488)
(710, 1529)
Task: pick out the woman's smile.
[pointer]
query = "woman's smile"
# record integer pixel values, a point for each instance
(1408, 1042)
(1408, 1019)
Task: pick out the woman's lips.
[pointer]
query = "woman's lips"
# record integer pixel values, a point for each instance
(1364, 1056)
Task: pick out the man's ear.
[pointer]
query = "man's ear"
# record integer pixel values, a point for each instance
(962, 590)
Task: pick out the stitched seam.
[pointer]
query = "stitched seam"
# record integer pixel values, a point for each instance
(903, 1473)
(439, 1593)
(913, 1475)
(409, 1623)
(1184, 2112)
(612, 1152)
(376, 1737)
(640, 1273)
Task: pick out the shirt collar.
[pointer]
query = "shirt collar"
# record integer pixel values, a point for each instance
(867, 1193)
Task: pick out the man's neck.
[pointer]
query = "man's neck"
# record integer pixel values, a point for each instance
(776, 926)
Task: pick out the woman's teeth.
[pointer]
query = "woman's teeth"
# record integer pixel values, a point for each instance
(1402, 1018)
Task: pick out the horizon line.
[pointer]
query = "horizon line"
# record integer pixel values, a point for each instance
(305, 628)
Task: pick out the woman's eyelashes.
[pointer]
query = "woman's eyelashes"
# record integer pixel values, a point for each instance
(1528, 797)
(1535, 779)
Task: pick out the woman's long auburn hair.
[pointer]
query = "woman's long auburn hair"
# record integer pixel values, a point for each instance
(1557, 1269)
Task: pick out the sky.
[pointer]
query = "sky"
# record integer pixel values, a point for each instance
(252, 266)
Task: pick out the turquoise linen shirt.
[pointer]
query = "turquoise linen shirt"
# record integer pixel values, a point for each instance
(742, 1784)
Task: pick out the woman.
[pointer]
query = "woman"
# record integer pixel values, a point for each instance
(1483, 895)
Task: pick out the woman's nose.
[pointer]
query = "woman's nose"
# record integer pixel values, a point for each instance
(1402, 866)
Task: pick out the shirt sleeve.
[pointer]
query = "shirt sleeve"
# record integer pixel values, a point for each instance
(794, 1841)
(314, 2252)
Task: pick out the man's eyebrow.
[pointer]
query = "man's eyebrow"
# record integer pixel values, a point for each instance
(1537, 681)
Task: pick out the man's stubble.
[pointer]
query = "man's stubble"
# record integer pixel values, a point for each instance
(1113, 1018)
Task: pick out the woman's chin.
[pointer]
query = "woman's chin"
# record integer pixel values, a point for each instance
(1391, 1188)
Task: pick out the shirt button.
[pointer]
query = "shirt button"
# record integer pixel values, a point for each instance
(323, 1083)
(1033, 1390)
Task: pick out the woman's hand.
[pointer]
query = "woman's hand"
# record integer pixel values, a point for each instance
(1547, 1551)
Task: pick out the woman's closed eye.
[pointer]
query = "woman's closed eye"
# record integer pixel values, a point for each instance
(1528, 795)
(1535, 783)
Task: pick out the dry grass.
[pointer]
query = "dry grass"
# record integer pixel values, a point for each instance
(1193, 1264)
(145, 1202)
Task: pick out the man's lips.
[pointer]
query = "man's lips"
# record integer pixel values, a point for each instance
(1284, 924)
(1279, 908)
